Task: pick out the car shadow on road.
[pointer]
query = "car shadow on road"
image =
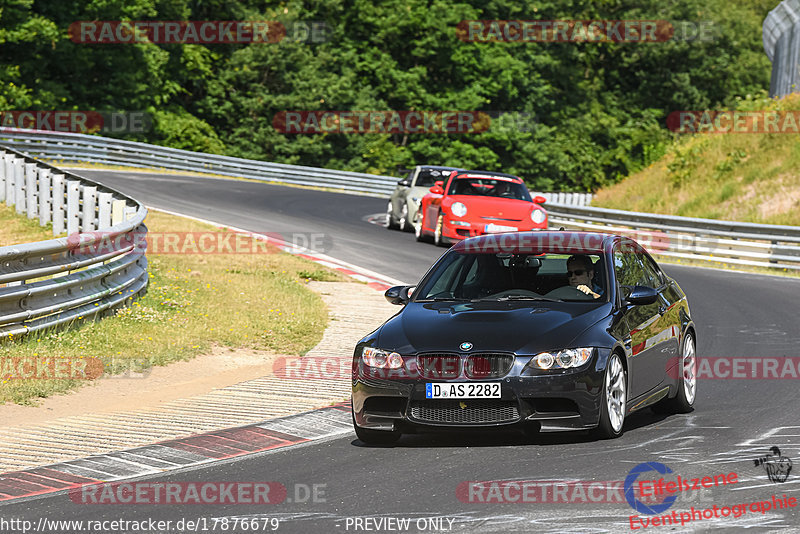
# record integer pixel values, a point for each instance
(515, 437)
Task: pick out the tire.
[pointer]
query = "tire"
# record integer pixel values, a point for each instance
(404, 224)
(614, 399)
(390, 224)
(375, 437)
(438, 240)
(418, 229)
(683, 402)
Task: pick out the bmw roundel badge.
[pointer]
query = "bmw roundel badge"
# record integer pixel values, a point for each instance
(465, 345)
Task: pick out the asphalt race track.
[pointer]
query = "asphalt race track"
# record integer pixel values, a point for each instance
(735, 420)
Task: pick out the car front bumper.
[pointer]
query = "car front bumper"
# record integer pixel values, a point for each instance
(556, 402)
(456, 229)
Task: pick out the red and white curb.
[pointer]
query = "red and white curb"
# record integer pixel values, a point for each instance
(175, 454)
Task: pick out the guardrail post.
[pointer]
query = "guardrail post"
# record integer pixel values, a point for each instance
(88, 208)
(9, 166)
(117, 211)
(58, 204)
(19, 182)
(73, 206)
(44, 197)
(772, 252)
(104, 210)
(3, 173)
(30, 190)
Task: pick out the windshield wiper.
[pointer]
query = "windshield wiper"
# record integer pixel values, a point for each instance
(441, 299)
(518, 297)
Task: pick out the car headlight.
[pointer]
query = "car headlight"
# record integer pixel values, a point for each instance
(458, 209)
(381, 359)
(538, 216)
(563, 359)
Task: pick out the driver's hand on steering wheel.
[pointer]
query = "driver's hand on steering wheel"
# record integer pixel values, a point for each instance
(585, 289)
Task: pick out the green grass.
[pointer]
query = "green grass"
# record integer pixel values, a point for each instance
(247, 301)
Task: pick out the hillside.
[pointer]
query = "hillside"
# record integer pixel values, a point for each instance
(752, 177)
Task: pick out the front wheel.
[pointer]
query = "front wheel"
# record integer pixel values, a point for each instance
(614, 399)
(390, 224)
(404, 224)
(375, 437)
(438, 239)
(421, 237)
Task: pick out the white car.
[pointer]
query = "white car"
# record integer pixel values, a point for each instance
(405, 199)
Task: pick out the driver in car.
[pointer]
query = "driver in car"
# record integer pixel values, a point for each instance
(580, 272)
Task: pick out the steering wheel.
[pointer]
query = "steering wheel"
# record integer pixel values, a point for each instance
(568, 292)
(523, 292)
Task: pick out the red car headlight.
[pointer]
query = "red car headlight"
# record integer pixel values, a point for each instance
(538, 216)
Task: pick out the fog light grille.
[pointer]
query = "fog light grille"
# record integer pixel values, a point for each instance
(467, 412)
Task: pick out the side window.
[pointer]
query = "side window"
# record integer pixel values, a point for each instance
(629, 268)
(652, 272)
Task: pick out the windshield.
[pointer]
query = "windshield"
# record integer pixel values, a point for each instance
(489, 187)
(427, 177)
(506, 276)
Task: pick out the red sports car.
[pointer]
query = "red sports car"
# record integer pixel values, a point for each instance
(474, 203)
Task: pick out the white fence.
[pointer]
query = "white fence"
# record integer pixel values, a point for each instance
(99, 266)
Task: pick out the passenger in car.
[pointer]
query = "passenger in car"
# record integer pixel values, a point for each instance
(580, 272)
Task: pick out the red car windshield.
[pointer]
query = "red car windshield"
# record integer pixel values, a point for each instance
(489, 187)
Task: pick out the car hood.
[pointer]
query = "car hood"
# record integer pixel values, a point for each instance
(505, 208)
(516, 326)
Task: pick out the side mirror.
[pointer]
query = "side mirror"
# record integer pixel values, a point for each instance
(398, 295)
(642, 295)
(404, 182)
(539, 199)
(437, 188)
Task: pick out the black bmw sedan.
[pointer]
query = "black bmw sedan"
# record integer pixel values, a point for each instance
(543, 331)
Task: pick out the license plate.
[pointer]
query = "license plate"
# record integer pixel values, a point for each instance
(494, 228)
(464, 390)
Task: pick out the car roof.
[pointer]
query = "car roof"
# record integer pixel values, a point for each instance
(440, 167)
(559, 242)
(487, 174)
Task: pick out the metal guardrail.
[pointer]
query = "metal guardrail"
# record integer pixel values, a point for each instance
(95, 269)
(781, 36)
(730, 242)
(71, 147)
(96, 149)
